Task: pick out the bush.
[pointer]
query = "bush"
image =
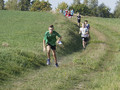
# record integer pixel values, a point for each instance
(63, 6)
(117, 10)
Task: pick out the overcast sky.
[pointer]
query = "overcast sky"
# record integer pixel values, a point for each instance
(110, 3)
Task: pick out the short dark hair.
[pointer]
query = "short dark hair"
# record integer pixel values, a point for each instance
(51, 26)
(86, 20)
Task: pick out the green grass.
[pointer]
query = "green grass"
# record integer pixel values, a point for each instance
(24, 30)
(25, 41)
(21, 35)
(96, 68)
(108, 78)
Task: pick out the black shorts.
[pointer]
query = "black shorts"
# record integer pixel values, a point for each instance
(85, 39)
(52, 47)
(78, 20)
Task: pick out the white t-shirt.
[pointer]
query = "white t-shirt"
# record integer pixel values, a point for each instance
(84, 30)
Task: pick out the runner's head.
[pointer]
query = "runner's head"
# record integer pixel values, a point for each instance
(86, 21)
(51, 28)
(83, 25)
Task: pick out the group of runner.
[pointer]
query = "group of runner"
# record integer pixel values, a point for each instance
(68, 13)
(85, 33)
(49, 41)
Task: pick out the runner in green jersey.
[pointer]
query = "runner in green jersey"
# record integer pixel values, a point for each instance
(50, 41)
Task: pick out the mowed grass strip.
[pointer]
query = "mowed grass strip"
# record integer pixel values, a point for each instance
(107, 75)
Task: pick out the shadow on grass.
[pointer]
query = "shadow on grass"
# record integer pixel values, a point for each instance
(15, 62)
(72, 42)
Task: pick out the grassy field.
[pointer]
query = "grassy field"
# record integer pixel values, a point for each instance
(21, 35)
(96, 68)
(21, 44)
(107, 77)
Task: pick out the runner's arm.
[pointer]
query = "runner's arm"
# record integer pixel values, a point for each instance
(80, 32)
(59, 39)
(87, 32)
(44, 41)
(44, 45)
(45, 37)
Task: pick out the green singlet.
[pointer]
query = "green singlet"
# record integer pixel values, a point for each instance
(51, 38)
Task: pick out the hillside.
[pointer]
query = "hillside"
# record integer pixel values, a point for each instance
(21, 43)
(21, 35)
(96, 68)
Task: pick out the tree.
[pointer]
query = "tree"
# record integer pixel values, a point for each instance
(24, 5)
(83, 9)
(32, 2)
(117, 10)
(75, 2)
(103, 11)
(1, 4)
(41, 6)
(86, 2)
(12, 5)
(93, 4)
(62, 6)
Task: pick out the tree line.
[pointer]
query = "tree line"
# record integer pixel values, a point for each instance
(25, 5)
(92, 8)
(88, 7)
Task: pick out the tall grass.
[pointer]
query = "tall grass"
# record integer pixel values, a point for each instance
(96, 68)
(21, 43)
(73, 63)
(21, 35)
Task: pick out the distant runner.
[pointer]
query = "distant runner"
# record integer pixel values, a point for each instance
(79, 19)
(88, 27)
(72, 12)
(50, 41)
(84, 35)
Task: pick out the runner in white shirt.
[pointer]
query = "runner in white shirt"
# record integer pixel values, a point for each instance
(88, 27)
(84, 34)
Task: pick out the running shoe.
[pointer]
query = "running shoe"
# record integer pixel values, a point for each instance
(83, 48)
(48, 61)
(56, 65)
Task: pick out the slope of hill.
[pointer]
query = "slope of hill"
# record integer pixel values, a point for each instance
(106, 76)
(21, 40)
(21, 35)
(96, 68)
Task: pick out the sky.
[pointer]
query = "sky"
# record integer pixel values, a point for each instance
(109, 3)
